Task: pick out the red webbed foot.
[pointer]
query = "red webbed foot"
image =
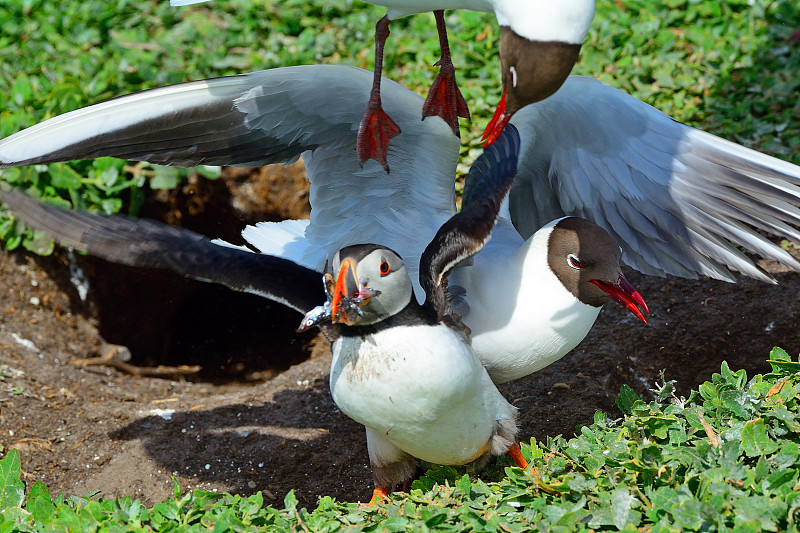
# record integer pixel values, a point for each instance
(374, 134)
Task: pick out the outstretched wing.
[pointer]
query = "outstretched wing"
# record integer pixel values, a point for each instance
(274, 116)
(466, 233)
(146, 243)
(677, 200)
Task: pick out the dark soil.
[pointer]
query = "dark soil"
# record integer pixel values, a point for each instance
(258, 414)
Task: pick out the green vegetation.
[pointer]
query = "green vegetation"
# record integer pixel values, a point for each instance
(723, 65)
(725, 459)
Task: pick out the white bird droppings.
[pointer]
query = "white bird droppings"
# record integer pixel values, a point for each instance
(166, 414)
(24, 342)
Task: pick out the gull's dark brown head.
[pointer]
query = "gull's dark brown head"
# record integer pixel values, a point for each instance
(531, 70)
(586, 260)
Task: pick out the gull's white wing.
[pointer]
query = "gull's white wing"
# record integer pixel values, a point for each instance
(678, 200)
(274, 116)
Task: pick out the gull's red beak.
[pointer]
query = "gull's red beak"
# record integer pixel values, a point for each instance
(497, 123)
(346, 287)
(624, 294)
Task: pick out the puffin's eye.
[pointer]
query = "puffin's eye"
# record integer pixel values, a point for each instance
(385, 268)
(513, 72)
(574, 262)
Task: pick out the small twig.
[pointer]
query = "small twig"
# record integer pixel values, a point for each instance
(110, 359)
(712, 435)
(540, 484)
(36, 442)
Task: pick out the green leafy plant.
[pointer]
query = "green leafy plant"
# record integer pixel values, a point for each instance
(12, 489)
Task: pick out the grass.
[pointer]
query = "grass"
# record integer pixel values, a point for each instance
(725, 459)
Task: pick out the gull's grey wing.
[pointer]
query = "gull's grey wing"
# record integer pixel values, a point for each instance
(274, 116)
(677, 200)
(263, 117)
(465, 233)
(146, 243)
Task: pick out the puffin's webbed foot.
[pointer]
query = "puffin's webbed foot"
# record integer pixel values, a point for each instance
(379, 494)
(382, 493)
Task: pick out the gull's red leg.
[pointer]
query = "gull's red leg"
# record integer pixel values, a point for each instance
(444, 98)
(376, 128)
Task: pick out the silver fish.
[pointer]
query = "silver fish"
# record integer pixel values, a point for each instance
(314, 317)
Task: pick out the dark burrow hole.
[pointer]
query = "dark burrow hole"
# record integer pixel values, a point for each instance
(166, 319)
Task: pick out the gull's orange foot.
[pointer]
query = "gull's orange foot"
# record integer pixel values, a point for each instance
(444, 98)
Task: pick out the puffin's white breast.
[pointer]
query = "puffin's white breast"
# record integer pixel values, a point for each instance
(422, 388)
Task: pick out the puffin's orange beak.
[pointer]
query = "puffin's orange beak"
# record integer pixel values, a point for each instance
(346, 287)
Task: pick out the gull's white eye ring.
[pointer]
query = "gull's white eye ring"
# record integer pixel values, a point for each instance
(513, 72)
(574, 262)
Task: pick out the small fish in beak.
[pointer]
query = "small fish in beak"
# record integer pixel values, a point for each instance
(320, 313)
(315, 317)
(344, 298)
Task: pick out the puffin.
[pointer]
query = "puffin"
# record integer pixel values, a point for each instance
(404, 370)
(539, 43)
(673, 199)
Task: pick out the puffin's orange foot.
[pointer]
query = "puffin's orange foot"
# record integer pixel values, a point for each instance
(378, 495)
(516, 454)
(374, 133)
